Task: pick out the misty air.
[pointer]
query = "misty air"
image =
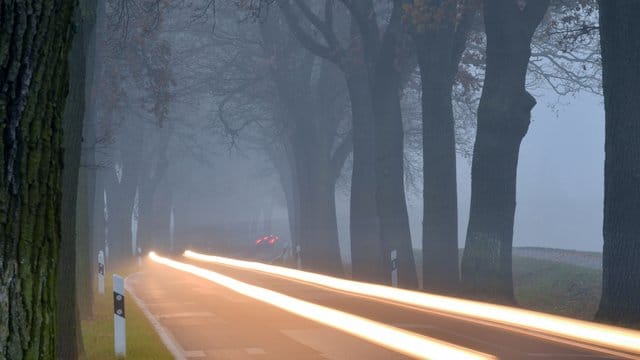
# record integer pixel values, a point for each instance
(319, 179)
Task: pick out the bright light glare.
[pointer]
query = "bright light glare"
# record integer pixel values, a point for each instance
(399, 340)
(610, 337)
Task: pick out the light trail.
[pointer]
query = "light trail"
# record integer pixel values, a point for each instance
(609, 337)
(402, 341)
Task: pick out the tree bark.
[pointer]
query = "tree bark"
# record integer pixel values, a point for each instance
(69, 340)
(439, 44)
(310, 122)
(34, 45)
(370, 252)
(84, 245)
(367, 252)
(440, 199)
(320, 250)
(87, 215)
(147, 189)
(389, 156)
(620, 43)
(504, 115)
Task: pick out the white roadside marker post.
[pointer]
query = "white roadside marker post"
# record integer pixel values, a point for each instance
(299, 257)
(394, 268)
(139, 258)
(101, 272)
(119, 329)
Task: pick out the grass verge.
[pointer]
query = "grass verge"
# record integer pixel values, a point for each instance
(551, 286)
(556, 288)
(142, 340)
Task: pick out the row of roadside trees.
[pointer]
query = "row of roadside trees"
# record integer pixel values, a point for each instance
(333, 80)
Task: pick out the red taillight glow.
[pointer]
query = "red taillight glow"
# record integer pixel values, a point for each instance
(271, 239)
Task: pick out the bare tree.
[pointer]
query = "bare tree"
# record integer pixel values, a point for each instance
(503, 119)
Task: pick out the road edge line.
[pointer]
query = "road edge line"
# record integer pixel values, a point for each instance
(165, 335)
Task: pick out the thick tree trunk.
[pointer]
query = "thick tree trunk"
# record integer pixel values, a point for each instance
(86, 214)
(69, 339)
(440, 200)
(620, 42)
(320, 250)
(503, 120)
(86, 259)
(308, 110)
(34, 45)
(281, 159)
(389, 159)
(367, 252)
(84, 253)
(293, 216)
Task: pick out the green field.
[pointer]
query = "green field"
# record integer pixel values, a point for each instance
(556, 288)
(97, 333)
(552, 287)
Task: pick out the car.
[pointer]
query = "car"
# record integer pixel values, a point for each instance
(267, 240)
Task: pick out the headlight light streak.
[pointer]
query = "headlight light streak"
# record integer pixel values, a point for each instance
(609, 337)
(398, 340)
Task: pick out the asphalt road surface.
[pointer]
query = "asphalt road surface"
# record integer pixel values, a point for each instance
(200, 319)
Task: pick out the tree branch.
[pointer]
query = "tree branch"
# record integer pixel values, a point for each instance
(322, 26)
(302, 36)
(468, 15)
(533, 13)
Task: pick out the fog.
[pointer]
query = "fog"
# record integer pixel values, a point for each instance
(560, 180)
(560, 183)
(319, 178)
(216, 129)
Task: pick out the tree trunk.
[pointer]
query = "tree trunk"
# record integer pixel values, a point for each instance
(86, 247)
(120, 199)
(440, 200)
(281, 159)
(367, 253)
(389, 158)
(620, 43)
(320, 250)
(504, 114)
(84, 259)
(69, 340)
(34, 45)
(147, 189)
(308, 115)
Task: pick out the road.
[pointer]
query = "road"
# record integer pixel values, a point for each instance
(206, 320)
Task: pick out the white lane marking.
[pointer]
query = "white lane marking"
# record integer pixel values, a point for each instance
(195, 354)
(167, 339)
(413, 326)
(184, 314)
(569, 356)
(255, 351)
(165, 303)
